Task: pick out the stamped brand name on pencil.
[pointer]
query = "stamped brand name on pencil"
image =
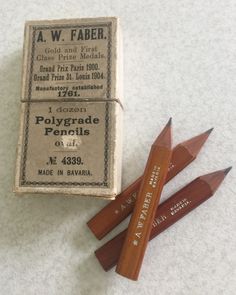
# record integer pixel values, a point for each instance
(179, 206)
(173, 210)
(153, 180)
(132, 198)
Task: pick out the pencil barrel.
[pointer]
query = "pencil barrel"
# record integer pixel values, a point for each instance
(168, 213)
(117, 210)
(139, 229)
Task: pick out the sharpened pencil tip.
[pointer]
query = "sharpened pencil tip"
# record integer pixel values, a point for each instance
(169, 122)
(209, 131)
(215, 178)
(164, 138)
(195, 143)
(226, 171)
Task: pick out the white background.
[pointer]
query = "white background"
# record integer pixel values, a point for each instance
(179, 61)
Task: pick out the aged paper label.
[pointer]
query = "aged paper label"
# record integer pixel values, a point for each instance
(67, 144)
(70, 60)
(70, 135)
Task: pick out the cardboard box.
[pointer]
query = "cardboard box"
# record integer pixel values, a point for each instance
(71, 118)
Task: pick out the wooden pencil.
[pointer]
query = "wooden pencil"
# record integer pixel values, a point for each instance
(140, 225)
(169, 212)
(117, 210)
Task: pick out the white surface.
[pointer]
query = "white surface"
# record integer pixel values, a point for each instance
(180, 61)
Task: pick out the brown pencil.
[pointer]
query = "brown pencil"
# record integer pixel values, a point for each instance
(117, 210)
(152, 183)
(169, 212)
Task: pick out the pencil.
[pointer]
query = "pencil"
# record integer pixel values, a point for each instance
(152, 183)
(117, 210)
(169, 212)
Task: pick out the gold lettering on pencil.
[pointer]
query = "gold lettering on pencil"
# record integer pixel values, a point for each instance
(179, 206)
(135, 243)
(144, 213)
(127, 203)
(159, 220)
(140, 224)
(142, 217)
(154, 176)
(171, 166)
(134, 195)
(130, 200)
(122, 207)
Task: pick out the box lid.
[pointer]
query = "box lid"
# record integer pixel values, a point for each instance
(70, 59)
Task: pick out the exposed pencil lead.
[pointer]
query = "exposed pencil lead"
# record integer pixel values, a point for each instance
(227, 170)
(209, 130)
(109, 253)
(215, 178)
(164, 138)
(195, 144)
(169, 122)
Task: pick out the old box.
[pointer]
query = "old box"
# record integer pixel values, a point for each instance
(71, 117)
